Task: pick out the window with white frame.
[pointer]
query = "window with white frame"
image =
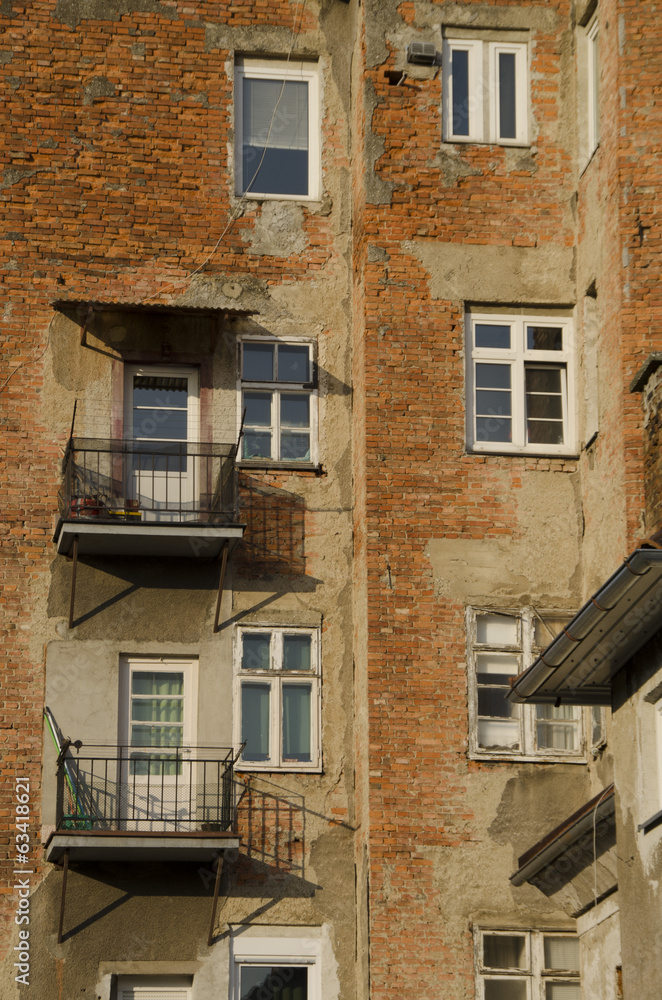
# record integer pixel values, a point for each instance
(273, 968)
(520, 383)
(527, 965)
(501, 646)
(486, 90)
(277, 143)
(278, 401)
(278, 698)
(154, 988)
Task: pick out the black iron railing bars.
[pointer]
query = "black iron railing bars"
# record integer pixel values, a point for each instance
(143, 789)
(132, 481)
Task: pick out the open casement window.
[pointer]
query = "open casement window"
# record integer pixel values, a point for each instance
(520, 384)
(154, 988)
(279, 402)
(502, 645)
(485, 90)
(277, 128)
(593, 85)
(161, 418)
(527, 965)
(278, 698)
(276, 969)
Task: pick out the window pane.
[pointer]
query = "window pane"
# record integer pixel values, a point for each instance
(152, 682)
(496, 668)
(557, 728)
(294, 410)
(507, 96)
(160, 424)
(296, 721)
(494, 403)
(505, 989)
(493, 336)
(259, 982)
(159, 390)
(494, 429)
(504, 951)
(275, 137)
(562, 954)
(258, 409)
(545, 380)
(296, 652)
(492, 376)
(544, 407)
(497, 630)
(460, 77)
(258, 362)
(493, 702)
(544, 338)
(255, 650)
(256, 445)
(255, 721)
(157, 709)
(496, 735)
(563, 991)
(294, 447)
(293, 363)
(544, 432)
(156, 736)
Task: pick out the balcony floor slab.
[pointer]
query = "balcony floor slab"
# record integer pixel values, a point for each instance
(101, 538)
(126, 846)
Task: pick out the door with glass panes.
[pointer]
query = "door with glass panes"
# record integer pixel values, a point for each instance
(157, 730)
(161, 420)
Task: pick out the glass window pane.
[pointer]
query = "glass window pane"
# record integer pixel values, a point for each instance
(563, 991)
(497, 735)
(493, 702)
(492, 335)
(544, 432)
(256, 445)
(546, 380)
(492, 376)
(157, 709)
(505, 989)
(496, 630)
(255, 721)
(562, 953)
(159, 390)
(494, 403)
(275, 137)
(496, 668)
(294, 410)
(258, 409)
(504, 951)
(556, 736)
(544, 407)
(255, 649)
(544, 338)
(460, 78)
(153, 682)
(294, 447)
(258, 362)
(259, 982)
(293, 363)
(507, 96)
(296, 652)
(156, 736)
(160, 424)
(494, 429)
(296, 721)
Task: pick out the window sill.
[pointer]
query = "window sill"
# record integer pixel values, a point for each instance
(253, 768)
(527, 758)
(250, 196)
(267, 466)
(513, 144)
(572, 455)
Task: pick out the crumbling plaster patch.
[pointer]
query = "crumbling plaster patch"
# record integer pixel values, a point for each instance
(278, 230)
(497, 273)
(72, 12)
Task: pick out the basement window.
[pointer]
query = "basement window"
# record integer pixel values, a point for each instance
(527, 965)
(274, 968)
(154, 988)
(501, 646)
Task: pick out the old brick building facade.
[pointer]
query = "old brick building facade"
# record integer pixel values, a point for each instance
(320, 321)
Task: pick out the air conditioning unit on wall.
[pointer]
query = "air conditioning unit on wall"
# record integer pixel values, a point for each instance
(422, 53)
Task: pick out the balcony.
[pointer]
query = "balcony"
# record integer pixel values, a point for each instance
(130, 804)
(147, 498)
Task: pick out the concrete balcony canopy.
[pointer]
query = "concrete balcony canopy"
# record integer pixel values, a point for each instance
(138, 498)
(137, 804)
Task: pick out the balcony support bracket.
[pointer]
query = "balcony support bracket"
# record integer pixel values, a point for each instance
(65, 872)
(221, 580)
(219, 871)
(74, 556)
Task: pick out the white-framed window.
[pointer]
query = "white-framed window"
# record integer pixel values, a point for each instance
(277, 129)
(501, 645)
(277, 702)
(520, 378)
(486, 91)
(278, 401)
(154, 988)
(527, 965)
(274, 968)
(593, 85)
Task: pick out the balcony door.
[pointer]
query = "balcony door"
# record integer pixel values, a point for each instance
(157, 785)
(162, 419)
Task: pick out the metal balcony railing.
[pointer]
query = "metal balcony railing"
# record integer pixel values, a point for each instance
(183, 790)
(169, 482)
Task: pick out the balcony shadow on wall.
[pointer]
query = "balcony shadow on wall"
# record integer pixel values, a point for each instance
(274, 540)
